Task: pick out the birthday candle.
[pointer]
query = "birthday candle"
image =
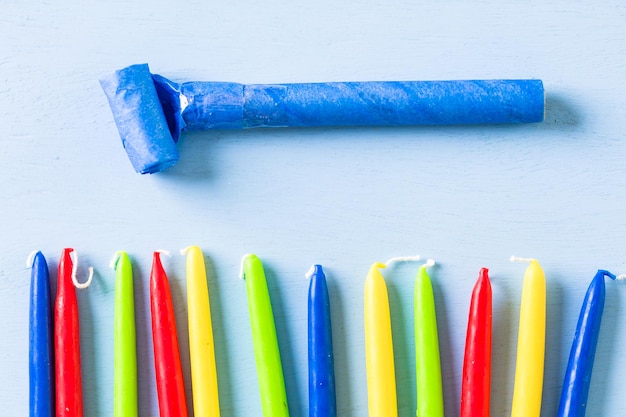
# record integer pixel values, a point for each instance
(578, 374)
(381, 377)
(477, 361)
(530, 343)
(69, 395)
(41, 353)
(201, 348)
(322, 400)
(427, 359)
(264, 339)
(125, 348)
(169, 374)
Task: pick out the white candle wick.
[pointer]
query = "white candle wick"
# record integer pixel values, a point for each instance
(80, 286)
(31, 259)
(399, 259)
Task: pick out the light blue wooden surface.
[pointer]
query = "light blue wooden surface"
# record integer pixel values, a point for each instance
(467, 196)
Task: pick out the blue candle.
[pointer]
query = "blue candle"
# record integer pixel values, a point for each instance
(578, 374)
(322, 401)
(41, 363)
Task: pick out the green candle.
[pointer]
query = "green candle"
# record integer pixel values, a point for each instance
(427, 361)
(125, 351)
(266, 353)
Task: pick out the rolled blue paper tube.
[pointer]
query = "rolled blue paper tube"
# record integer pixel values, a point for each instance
(362, 104)
(322, 399)
(140, 119)
(573, 401)
(41, 356)
(225, 105)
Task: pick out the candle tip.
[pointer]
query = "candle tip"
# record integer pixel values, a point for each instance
(314, 269)
(429, 263)
(74, 270)
(164, 252)
(242, 273)
(115, 259)
(620, 277)
(186, 250)
(30, 261)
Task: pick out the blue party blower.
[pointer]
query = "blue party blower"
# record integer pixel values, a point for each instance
(151, 111)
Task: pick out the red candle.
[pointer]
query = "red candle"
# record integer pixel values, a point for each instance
(169, 374)
(69, 396)
(477, 362)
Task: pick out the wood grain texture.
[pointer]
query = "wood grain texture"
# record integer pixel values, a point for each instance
(345, 198)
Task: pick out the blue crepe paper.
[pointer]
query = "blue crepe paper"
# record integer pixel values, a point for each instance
(151, 111)
(236, 106)
(140, 119)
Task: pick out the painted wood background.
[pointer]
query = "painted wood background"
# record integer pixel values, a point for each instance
(466, 196)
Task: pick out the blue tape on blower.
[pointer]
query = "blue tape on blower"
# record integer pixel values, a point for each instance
(150, 111)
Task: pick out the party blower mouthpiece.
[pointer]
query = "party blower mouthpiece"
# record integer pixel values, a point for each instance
(151, 111)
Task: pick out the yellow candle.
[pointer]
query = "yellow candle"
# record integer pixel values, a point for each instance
(530, 344)
(201, 349)
(381, 377)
